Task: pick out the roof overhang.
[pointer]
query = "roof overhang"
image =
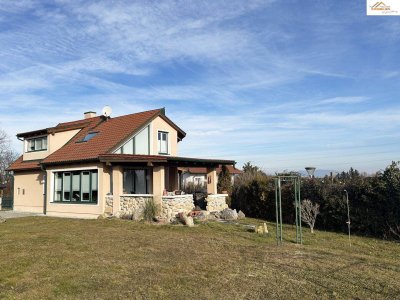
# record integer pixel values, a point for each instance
(181, 133)
(169, 160)
(32, 133)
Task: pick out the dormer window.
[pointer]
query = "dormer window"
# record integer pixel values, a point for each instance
(89, 136)
(37, 144)
(162, 142)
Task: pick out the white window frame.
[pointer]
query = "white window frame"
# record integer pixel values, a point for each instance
(27, 141)
(168, 143)
(118, 149)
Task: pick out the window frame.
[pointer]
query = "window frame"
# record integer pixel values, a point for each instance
(148, 183)
(70, 200)
(160, 140)
(34, 140)
(88, 137)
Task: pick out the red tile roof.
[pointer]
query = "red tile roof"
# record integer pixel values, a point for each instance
(172, 160)
(20, 165)
(199, 170)
(110, 133)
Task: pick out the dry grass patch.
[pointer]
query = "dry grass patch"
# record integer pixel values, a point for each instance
(86, 259)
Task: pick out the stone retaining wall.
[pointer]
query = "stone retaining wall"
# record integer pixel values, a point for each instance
(172, 205)
(216, 202)
(109, 204)
(133, 206)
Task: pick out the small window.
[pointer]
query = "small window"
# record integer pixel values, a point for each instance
(89, 136)
(162, 142)
(37, 144)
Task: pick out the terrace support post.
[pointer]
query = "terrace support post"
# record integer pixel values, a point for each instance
(158, 185)
(117, 173)
(173, 179)
(212, 181)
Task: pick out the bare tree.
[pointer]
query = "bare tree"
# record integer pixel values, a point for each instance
(7, 154)
(309, 213)
(395, 231)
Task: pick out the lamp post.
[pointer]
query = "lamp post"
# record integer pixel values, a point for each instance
(348, 214)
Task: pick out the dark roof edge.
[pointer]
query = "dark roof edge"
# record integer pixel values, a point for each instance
(34, 132)
(126, 138)
(181, 133)
(70, 162)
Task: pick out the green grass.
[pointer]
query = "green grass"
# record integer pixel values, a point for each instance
(45, 258)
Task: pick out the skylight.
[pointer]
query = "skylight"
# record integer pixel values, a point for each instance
(89, 136)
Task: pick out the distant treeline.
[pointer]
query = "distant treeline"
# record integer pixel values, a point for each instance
(374, 200)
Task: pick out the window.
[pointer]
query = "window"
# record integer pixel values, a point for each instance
(137, 181)
(37, 144)
(88, 137)
(139, 144)
(76, 186)
(162, 142)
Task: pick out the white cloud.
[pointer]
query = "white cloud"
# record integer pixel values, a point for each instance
(345, 100)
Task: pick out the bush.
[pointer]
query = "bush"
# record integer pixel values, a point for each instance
(224, 180)
(191, 188)
(374, 201)
(250, 192)
(150, 210)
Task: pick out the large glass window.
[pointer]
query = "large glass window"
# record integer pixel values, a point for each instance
(142, 142)
(137, 181)
(139, 144)
(57, 186)
(37, 144)
(162, 142)
(77, 186)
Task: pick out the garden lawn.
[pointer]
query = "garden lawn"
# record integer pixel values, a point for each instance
(47, 258)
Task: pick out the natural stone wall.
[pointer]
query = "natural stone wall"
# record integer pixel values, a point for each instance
(109, 204)
(216, 202)
(133, 206)
(172, 205)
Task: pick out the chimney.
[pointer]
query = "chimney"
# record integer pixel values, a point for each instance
(89, 114)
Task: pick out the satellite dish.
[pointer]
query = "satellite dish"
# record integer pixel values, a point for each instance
(107, 111)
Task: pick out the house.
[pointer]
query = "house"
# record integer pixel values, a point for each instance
(197, 176)
(99, 165)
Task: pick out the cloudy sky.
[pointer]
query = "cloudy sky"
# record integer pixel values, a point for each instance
(283, 84)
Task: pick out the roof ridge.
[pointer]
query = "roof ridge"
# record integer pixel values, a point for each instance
(140, 112)
(155, 112)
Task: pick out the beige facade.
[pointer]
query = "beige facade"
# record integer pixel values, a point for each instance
(158, 184)
(54, 142)
(75, 210)
(32, 195)
(28, 191)
(212, 180)
(158, 124)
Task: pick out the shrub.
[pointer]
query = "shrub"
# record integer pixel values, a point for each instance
(191, 188)
(224, 180)
(150, 210)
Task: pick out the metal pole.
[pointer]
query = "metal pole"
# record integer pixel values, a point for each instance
(299, 198)
(280, 209)
(348, 214)
(276, 206)
(295, 205)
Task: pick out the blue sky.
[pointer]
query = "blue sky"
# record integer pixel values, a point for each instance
(283, 84)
